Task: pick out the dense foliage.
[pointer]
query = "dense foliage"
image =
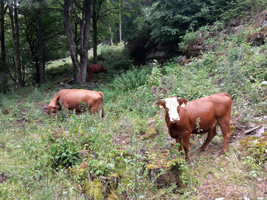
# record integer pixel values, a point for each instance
(171, 19)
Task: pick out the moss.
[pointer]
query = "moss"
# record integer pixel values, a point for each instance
(165, 153)
(256, 142)
(150, 167)
(124, 153)
(94, 190)
(262, 145)
(232, 128)
(175, 162)
(79, 170)
(112, 196)
(150, 132)
(114, 175)
(247, 141)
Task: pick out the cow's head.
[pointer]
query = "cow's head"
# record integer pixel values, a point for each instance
(51, 109)
(172, 107)
(105, 70)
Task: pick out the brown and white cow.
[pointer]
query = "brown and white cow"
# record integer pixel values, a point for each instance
(95, 69)
(71, 99)
(202, 115)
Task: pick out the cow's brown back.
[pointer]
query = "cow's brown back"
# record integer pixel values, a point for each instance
(95, 69)
(71, 99)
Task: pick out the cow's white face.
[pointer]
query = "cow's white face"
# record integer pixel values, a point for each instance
(172, 105)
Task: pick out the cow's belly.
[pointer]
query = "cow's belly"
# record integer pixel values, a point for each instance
(204, 129)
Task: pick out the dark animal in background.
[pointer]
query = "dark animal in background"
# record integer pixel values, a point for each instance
(71, 99)
(95, 69)
(199, 116)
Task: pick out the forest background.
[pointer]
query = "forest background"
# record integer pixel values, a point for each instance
(152, 49)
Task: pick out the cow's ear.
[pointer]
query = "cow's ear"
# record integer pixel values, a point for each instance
(161, 104)
(182, 102)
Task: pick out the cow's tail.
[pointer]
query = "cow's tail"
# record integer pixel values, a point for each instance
(102, 105)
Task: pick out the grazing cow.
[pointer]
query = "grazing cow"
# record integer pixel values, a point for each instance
(199, 116)
(95, 69)
(71, 98)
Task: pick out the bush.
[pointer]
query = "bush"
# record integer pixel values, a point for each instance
(123, 64)
(64, 152)
(131, 79)
(188, 39)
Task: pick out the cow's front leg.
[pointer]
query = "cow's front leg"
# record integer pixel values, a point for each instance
(186, 145)
(179, 140)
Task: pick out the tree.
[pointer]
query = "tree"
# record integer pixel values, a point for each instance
(13, 13)
(42, 37)
(69, 10)
(41, 43)
(171, 19)
(3, 70)
(95, 17)
(102, 12)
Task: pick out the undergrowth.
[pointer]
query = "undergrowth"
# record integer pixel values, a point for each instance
(128, 154)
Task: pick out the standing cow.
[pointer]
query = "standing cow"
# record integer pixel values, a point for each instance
(198, 116)
(95, 69)
(71, 99)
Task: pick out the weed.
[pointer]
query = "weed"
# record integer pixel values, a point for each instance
(63, 152)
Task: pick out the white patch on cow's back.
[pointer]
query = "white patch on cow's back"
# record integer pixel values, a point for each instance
(172, 104)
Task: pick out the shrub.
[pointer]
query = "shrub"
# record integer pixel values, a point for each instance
(131, 79)
(188, 39)
(64, 152)
(123, 64)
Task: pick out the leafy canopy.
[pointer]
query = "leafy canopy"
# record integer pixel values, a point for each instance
(171, 18)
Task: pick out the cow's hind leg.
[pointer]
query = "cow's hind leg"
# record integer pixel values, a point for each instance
(227, 134)
(211, 135)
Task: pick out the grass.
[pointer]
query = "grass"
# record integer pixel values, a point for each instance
(42, 158)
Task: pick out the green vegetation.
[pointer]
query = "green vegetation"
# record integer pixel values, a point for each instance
(128, 154)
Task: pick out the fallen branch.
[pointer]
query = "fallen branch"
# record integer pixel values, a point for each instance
(251, 130)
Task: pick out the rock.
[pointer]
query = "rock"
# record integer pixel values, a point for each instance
(234, 22)
(252, 125)
(180, 59)
(259, 132)
(237, 28)
(245, 198)
(264, 83)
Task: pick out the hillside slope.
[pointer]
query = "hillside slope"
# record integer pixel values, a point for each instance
(129, 154)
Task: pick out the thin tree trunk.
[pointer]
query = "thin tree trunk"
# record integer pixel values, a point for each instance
(120, 23)
(69, 35)
(15, 36)
(111, 39)
(85, 41)
(94, 32)
(41, 45)
(80, 68)
(3, 47)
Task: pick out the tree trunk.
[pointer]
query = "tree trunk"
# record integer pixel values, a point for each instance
(111, 39)
(3, 70)
(85, 22)
(120, 22)
(41, 45)
(15, 36)
(94, 32)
